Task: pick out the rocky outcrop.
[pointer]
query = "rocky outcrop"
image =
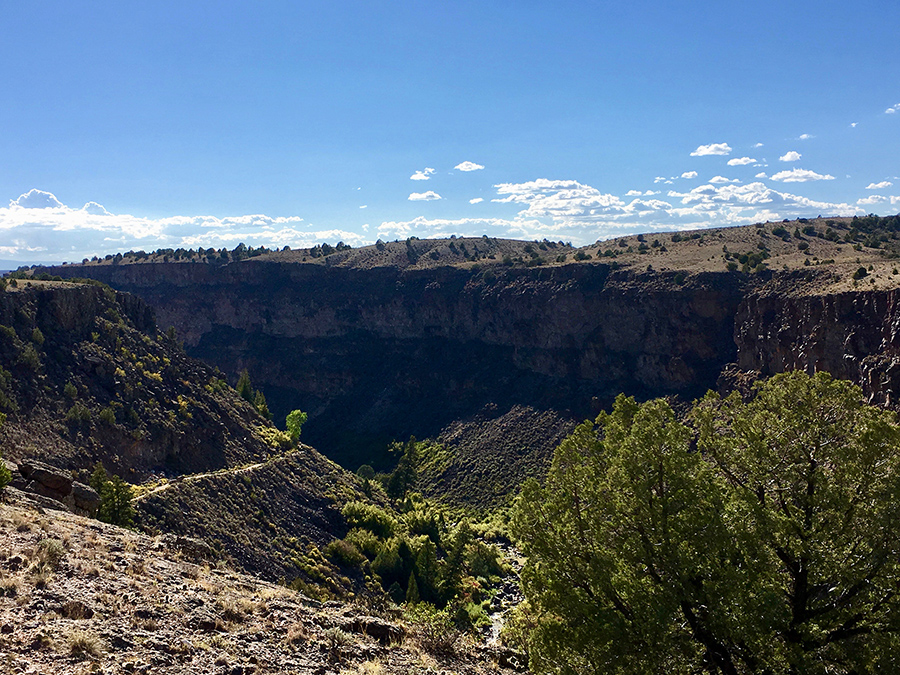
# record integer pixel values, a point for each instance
(48, 481)
(853, 336)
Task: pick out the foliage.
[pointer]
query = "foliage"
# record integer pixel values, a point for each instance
(405, 474)
(243, 387)
(294, 423)
(433, 629)
(115, 498)
(343, 553)
(369, 517)
(773, 546)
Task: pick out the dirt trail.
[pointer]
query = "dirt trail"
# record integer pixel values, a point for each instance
(198, 476)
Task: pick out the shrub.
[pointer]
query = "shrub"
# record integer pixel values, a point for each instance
(78, 415)
(344, 553)
(50, 553)
(369, 517)
(433, 629)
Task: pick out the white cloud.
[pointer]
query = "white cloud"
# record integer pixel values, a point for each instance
(872, 200)
(740, 161)
(761, 174)
(854, 124)
(429, 196)
(38, 226)
(805, 137)
(800, 176)
(757, 145)
(364, 206)
(424, 174)
(37, 199)
(659, 179)
(633, 193)
(879, 186)
(95, 209)
(468, 166)
(581, 213)
(712, 149)
(689, 174)
(477, 200)
(722, 179)
(894, 108)
(791, 156)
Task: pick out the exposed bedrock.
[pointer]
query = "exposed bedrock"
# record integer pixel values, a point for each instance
(854, 336)
(378, 354)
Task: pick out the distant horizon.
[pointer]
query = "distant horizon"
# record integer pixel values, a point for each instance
(293, 123)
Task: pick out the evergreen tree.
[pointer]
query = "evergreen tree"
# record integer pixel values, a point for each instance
(243, 387)
(759, 537)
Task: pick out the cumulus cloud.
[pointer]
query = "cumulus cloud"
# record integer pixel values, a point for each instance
(95, 209)
(761, 174)
(477, 200)
(740, 161)
(854, 124)
(791, 156)
(468, 166)
(37, 226)
(893, 109)
(805, 137)
(424, 174)
(689, 174)
(581, 213)
(872, 200)
(712, 149)
(722, 179)
(633, 193)
(800, 176)
(879, 186)
(757, 145)
(429, 196)
(37, 199)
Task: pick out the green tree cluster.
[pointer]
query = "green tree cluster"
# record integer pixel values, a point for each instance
(754, 537)
(253, 396)
(417, 557)
(115, 498)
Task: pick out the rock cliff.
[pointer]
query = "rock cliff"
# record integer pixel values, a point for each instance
(383, 353)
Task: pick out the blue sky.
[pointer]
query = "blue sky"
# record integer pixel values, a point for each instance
(289, 123)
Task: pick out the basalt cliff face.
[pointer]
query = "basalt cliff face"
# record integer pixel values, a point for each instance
(470, 356)
(852, 335)
(378, 354)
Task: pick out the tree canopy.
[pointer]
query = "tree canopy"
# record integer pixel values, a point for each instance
(752, 537)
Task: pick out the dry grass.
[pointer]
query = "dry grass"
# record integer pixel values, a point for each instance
(296, 633)
(84, 644)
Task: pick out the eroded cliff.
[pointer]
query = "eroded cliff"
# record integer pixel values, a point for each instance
(378, 354)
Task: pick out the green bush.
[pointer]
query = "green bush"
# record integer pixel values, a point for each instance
(78, 415)
(369, 517)
(344, 553)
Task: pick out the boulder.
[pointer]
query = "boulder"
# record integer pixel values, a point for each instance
(55, 480)
(85, 498)
(384, 631)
